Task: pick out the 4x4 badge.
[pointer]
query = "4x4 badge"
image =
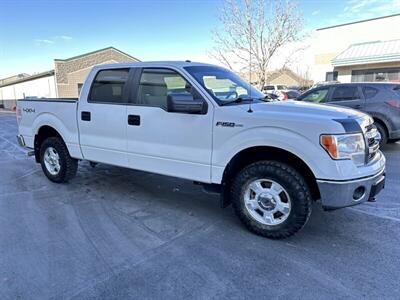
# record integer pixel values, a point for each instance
(28, 110)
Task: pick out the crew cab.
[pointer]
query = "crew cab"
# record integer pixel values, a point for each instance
(203, 123)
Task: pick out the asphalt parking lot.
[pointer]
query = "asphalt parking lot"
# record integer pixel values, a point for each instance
(116, 233)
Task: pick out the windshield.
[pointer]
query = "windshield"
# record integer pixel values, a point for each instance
(223, 85)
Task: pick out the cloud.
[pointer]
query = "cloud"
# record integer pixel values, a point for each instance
(53, 40)
(356, 10)
(371, 7)
(356, 6)
(44, 41)
(315, 12)
(64, 37)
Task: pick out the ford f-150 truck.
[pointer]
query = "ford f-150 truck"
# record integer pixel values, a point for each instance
(203, 123)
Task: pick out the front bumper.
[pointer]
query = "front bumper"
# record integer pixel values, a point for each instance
(337, 194)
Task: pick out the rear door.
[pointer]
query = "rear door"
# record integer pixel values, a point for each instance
(374, 96)
(102, 118)
(347, 95)
(169, 143)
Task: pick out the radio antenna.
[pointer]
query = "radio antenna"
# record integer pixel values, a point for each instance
(250, 38)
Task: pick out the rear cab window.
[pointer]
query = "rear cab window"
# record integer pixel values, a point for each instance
(269, 87)
(108, 86)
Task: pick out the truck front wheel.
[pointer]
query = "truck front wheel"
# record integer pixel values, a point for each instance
(57, 164)
(271, 199)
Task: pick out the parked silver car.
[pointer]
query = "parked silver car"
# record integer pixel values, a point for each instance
(379, 100)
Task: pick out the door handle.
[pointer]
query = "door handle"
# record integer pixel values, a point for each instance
(357, 106)
(134, 120)
(85, 115)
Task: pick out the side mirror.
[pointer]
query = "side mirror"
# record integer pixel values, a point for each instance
(185, 103)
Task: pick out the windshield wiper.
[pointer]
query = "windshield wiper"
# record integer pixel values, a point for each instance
(237, 100)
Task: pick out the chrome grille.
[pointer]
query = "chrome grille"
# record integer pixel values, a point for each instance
(372, 139)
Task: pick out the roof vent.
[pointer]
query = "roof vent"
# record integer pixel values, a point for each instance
(188, 61)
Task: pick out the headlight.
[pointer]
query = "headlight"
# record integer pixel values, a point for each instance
(345, 146)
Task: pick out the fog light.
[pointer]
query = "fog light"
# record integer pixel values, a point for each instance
(358, 193)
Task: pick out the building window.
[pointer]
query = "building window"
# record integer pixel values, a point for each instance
(331, 76)
(376, 75)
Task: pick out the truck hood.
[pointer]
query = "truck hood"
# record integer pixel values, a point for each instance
(309, 110)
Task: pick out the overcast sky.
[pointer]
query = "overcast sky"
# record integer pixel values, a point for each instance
(33, 33)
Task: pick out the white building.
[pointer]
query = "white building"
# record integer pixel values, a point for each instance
(38, 85)
(367, 50)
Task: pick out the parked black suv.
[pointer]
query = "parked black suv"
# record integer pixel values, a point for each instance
(379, 100)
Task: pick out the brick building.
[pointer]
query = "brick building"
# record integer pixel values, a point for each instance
(65, 81)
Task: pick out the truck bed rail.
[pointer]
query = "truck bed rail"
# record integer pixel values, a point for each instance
(51, 100)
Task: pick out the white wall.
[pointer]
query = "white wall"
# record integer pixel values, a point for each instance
(332, 41)
(41, 87)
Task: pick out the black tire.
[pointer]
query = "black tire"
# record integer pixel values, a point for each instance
(68, 165)
(392, 141)
(383, 133)
(295, 186)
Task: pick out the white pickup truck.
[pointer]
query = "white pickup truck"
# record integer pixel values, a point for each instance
(201, 122)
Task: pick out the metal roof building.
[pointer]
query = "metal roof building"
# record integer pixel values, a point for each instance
(368, 53)
(366, 50)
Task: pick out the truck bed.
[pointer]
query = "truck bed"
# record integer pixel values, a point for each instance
(59, 113)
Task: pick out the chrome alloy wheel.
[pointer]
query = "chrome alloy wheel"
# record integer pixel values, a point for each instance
(267, 201)
(52, 161)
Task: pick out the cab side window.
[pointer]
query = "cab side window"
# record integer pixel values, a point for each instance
(317, 96)
(108, 86)
(156, 84)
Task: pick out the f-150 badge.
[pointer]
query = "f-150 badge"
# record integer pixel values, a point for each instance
(228, 124)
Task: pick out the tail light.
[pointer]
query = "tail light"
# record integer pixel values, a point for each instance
(393, 103)
(285, 96)
(18, 115)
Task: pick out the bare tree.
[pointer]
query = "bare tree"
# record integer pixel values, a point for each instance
(255, 31)
(305, 77)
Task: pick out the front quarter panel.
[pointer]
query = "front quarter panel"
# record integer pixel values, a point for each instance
(301, 139)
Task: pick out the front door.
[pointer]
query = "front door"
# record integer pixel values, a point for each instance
(347, 95)
(102, 119)
(177, 144)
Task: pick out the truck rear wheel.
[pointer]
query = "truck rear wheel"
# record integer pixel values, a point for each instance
(271, 199)
(57, 164)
